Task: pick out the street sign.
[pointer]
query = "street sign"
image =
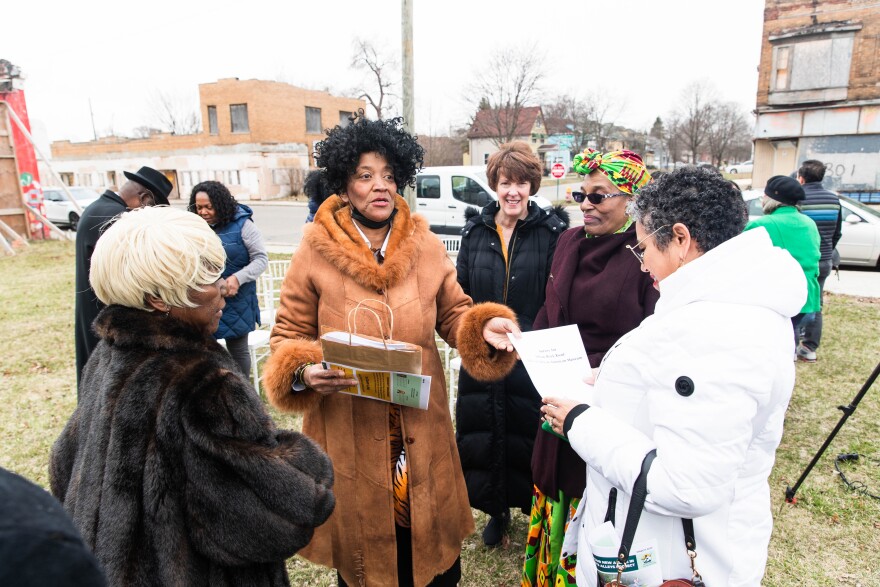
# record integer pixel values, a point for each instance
(558, 170)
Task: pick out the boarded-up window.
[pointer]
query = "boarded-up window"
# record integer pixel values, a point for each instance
(313, 120)
(212, 119)
(783, 59)
(239, 115)
(813, 65)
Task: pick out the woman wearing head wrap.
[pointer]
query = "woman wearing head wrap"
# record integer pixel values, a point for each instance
(595, 282)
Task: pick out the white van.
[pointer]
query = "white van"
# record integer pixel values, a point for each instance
(444, 193)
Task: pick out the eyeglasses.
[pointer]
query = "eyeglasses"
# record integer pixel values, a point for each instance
(595, 199)
(640, 254)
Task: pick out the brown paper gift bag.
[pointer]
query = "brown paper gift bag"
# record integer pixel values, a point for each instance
(389, 355)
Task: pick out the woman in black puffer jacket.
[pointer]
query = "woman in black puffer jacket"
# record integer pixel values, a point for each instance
(506, 253)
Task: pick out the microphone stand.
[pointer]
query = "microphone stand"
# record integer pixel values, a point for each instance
(847, 412)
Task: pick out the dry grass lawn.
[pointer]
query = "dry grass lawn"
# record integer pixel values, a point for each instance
(830, 537)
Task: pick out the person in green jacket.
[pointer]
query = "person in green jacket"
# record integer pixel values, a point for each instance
(795, 232)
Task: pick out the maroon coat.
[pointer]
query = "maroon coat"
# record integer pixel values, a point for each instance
(596, 283)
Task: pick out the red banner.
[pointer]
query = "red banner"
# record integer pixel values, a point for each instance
(26, 157)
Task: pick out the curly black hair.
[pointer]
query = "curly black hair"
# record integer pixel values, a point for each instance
(315, 187)
(222, 200)
(712, 209)
(341, 151)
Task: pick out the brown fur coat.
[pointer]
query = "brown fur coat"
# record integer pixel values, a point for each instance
(330, 273)
(173, 471)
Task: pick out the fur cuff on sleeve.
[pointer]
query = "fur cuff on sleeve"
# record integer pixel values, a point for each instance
(278, 375)
(481, 361)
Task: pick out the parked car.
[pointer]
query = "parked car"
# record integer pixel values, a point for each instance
(744, 167)
(860, 240)
(59, 209)
(444, 193)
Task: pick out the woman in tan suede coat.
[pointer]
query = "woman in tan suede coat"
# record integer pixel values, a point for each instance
(399, 486)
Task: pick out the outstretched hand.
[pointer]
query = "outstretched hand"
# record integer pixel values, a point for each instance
(495, 333)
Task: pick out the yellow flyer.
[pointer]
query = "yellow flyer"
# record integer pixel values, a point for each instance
(405, 389)
(375, 384)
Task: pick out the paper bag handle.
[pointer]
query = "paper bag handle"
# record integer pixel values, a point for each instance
(351, 320)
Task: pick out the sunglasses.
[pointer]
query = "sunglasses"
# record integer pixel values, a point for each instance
(595, 199)
(640, 253)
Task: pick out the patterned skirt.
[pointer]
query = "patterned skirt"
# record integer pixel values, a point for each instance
(547, 526)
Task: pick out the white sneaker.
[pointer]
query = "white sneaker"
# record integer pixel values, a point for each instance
(804, 354)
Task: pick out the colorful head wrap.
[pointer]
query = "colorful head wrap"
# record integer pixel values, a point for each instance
(624, 168)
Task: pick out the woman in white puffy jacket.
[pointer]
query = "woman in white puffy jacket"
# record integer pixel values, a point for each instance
(704, 382)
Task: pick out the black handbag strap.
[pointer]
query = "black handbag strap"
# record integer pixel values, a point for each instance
(612, 505)
(690, 539)
(637, 504)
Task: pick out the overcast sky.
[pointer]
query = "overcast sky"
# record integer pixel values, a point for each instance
(640, 52)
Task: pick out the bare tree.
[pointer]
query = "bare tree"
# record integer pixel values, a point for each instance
(591, 119)
(604, 108)
(673, 138)
(510, 82)
(444, 150)
(175, 113)
(378, 85)
(695, 116)
(576, 115)
(728, 128)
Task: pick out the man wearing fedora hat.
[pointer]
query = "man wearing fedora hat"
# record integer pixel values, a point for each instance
(147, 187)
(793, 231)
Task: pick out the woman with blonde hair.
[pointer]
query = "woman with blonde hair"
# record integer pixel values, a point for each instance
(170, 467)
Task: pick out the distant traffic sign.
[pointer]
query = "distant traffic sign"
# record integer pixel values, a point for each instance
(558, 170)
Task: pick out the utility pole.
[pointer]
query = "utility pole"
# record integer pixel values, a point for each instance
(406, 10)
(92, 114)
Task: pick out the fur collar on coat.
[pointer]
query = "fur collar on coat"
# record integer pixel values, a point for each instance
(173, 471)
(334, 235)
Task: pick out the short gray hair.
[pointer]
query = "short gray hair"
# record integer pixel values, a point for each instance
(158, 251)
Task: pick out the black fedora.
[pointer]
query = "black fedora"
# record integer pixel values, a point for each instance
(153, 180)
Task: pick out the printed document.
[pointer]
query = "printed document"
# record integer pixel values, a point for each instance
(642, 565)
(404, 389)
(556, 361)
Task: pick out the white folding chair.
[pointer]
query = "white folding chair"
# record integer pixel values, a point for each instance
(452, 243)
(258, 348)
(454, 368)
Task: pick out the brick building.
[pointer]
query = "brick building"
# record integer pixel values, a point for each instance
(257, 138)
(819, 92)
(489, 125)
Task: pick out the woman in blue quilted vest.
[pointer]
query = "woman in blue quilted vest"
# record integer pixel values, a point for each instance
(246, 259)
